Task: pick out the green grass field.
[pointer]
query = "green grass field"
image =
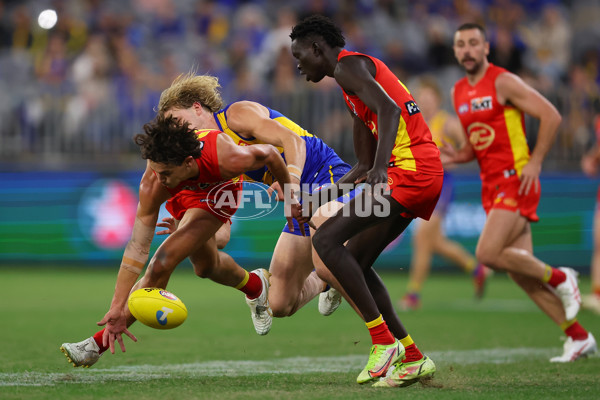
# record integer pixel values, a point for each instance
(494, 349)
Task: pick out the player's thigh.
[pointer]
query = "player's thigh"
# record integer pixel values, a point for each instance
(367, 245)
(290, 265)
(362, 212)
(501, 228)
(196, 235)
(426, 232)
(223, 235)
(323, 213)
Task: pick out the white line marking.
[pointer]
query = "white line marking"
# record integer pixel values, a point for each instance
(294, 365)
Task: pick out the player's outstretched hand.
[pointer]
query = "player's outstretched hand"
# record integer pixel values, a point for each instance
(116, 325)
(168, 222)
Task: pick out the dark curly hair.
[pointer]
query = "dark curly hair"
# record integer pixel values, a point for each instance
(167, 141)
(319, 25)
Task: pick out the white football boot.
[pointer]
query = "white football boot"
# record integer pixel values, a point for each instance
(568, 292)
(575, 349)
(82, 354)
(329, 301)
(262, 316)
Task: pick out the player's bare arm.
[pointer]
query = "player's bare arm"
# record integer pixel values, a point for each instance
(356, 76)
(512, 90)
(365, 146)
(252, 119)
(234, 160)
(151, 195)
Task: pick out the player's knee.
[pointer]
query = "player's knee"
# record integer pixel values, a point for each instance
(280, 309)
(204, 268)
(488, 257)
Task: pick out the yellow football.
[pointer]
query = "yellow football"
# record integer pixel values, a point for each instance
(157, 308)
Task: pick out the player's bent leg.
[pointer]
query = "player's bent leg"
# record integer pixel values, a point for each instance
(291, 284)
(82, 354)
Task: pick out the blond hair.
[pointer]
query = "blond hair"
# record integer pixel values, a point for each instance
(190, 88)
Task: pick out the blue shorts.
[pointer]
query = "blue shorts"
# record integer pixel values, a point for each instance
(326, 176)
(446, 196)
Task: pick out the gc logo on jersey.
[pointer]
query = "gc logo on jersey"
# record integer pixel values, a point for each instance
(481, 103)
(412, 108)
(481, 135)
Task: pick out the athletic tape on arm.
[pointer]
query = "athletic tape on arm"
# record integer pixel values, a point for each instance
(138, 248)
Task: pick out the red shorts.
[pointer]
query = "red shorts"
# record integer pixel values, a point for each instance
(503, 194)
(416, 191)
(219, 200)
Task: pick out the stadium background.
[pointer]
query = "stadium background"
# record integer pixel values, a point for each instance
(74, 95)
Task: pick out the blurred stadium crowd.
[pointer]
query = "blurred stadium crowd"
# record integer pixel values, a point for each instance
(80, 90)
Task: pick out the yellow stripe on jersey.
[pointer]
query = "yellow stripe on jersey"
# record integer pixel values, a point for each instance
(404, 158)
(516, 136)
(292, 126)
(200, 133)
(331, 174)
(404, 86)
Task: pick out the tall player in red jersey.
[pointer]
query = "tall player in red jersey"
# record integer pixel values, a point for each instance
(490, 103)
(395, 149)
(197, 174)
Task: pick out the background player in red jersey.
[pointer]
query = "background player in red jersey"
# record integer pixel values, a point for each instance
(490, 103)
(403, 157)
(428, 236)
(187, 169)
(590, 164)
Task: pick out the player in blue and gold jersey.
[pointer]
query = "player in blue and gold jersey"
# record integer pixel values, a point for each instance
(311, 163)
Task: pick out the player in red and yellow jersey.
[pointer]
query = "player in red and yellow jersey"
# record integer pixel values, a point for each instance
(428, 236)
(394, 148)
(197, 174)
(490, 103)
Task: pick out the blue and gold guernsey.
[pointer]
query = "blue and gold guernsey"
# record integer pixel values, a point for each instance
(322, 166)
(320, 163)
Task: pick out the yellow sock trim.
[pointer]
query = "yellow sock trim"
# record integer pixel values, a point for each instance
(470, 267)
(547, 274)
(407, 341)
(567, 324)
(414, 287)
(375, 322)
(244, 281)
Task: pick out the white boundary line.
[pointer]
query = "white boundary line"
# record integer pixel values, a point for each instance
(294, 365)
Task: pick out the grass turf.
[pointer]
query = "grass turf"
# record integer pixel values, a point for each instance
(496, 348)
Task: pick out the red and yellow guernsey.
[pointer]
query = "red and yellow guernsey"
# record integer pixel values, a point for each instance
(414, 149)
(496, 131)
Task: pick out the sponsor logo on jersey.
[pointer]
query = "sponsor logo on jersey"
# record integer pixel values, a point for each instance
(412, 108)
(463, 108)
(481, 103)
